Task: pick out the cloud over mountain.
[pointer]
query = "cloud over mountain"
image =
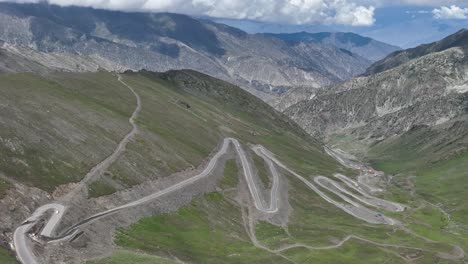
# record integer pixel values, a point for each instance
(452, 12)
(344, 12)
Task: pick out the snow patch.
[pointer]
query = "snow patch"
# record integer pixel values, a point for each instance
(463, 88)
(442, 120)
(387, 109)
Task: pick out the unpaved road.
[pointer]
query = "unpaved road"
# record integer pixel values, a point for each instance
(26, 256)
(367, 198)
(347, 161)
(100, 168)
(352, 208)
(20, 242)
(20, 237)
(248, 174)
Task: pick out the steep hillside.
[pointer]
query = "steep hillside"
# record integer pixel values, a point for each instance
(368, 48)
(410, 121)
(10, 62)
(426, 91)
(458, 39)
(160, 42)
(179, 166)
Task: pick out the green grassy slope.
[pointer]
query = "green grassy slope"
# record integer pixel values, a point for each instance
(60, 125)
(431, 167)
(55, 129)
(212, 229)
(185, 116)
(57, 126)
(6, 257)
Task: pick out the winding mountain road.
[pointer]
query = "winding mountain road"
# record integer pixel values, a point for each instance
(21, 234)
(352, 208)
(367, 198)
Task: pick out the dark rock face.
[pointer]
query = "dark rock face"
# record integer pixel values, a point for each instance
(85, 39)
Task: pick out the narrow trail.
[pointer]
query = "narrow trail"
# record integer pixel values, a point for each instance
(249, 226)
(24, 254)
(100, 168)
(343, 241)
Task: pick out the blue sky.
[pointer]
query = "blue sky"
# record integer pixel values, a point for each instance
(402, 22)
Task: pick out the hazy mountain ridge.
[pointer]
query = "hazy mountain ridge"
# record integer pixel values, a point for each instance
(160, 42)
(363, 46)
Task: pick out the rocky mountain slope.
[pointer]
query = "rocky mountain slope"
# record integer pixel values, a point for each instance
(410, 121)
(428, 90)
(458, 39)
(368, 48)
(11, 63)
(159, 42)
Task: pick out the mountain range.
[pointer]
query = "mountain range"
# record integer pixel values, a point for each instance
(62, 39)
(365, 47)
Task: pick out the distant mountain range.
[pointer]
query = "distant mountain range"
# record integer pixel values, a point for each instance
(398, 25)
(85, 39)
(365, 47)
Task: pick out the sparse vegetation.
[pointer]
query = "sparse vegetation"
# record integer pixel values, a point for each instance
(100, 188)
(262, 170)
(231, 177)
(209, 230)
(126, 257)
(6, 257)
(4, 186)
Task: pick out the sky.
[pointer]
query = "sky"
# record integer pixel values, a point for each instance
(380, 19)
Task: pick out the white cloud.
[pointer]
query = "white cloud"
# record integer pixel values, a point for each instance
(452, 12)
(420, 2)
(346, 12)
(355, 15)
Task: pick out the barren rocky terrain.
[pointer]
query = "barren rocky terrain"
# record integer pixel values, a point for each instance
(266, 66)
